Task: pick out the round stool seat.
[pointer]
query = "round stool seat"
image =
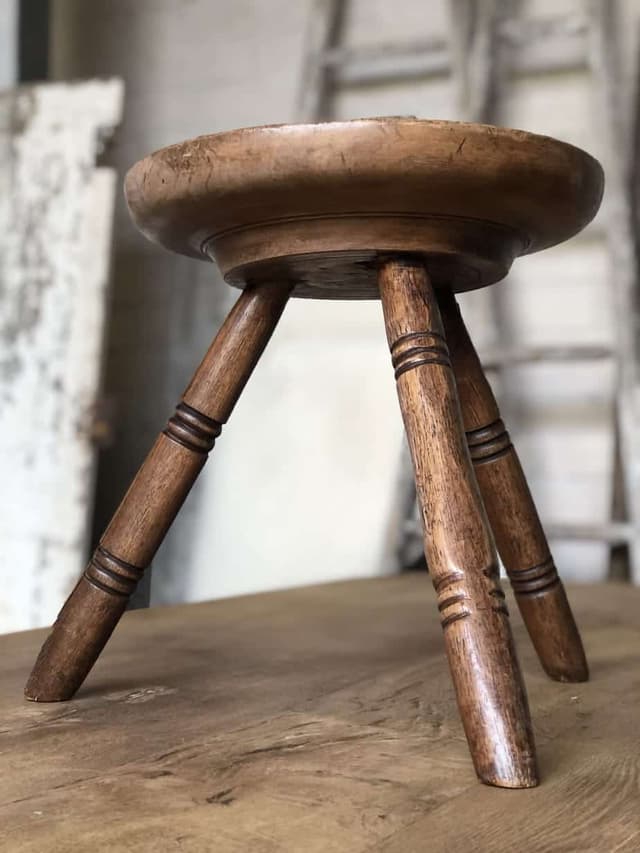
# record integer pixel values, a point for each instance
(318, 204)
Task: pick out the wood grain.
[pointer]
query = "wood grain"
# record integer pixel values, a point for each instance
(140, 523)
(317, 719)
(458, 545)
(518, 533)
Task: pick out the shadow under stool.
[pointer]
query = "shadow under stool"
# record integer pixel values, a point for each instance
(410, 212)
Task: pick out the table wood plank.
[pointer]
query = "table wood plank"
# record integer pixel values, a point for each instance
(316, 719)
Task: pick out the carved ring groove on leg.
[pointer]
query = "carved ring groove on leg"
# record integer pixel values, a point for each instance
(537, 579)
(489, 442)
(417, 348)
(111, 574)
(192, 429)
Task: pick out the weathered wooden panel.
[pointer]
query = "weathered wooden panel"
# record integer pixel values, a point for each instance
(55, 220)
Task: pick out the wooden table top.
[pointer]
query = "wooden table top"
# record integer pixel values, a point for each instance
(317, 719)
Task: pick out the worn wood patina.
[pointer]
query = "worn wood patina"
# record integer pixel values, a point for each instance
(393, 208)
(317, 719)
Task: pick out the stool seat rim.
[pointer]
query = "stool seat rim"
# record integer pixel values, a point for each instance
(190, 195)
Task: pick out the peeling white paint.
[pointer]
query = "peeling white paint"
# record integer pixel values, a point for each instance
(55, 232)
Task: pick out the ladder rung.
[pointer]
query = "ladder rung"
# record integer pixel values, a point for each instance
(532, 355)
(614, 532)
(544, 45)
(385, 62)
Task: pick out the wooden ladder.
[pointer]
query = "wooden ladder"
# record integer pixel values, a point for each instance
(489, 42)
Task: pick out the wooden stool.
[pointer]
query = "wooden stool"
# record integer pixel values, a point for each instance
(409, 211)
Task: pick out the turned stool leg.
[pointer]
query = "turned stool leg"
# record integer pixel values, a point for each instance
(458, 543)
(140, 523)
(519, 536)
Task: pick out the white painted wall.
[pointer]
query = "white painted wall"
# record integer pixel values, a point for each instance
(299, 488)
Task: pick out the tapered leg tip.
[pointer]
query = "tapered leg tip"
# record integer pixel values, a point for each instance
(555, 635)
(525, 776)
(571, 669)
(507, 765)
(569, 676)
(48, 689)
(510, 782)
(37, 696)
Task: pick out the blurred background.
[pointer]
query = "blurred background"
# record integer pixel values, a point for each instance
(100, 331)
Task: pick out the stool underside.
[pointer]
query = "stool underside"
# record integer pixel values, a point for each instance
(348, 275)
(338, 257)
